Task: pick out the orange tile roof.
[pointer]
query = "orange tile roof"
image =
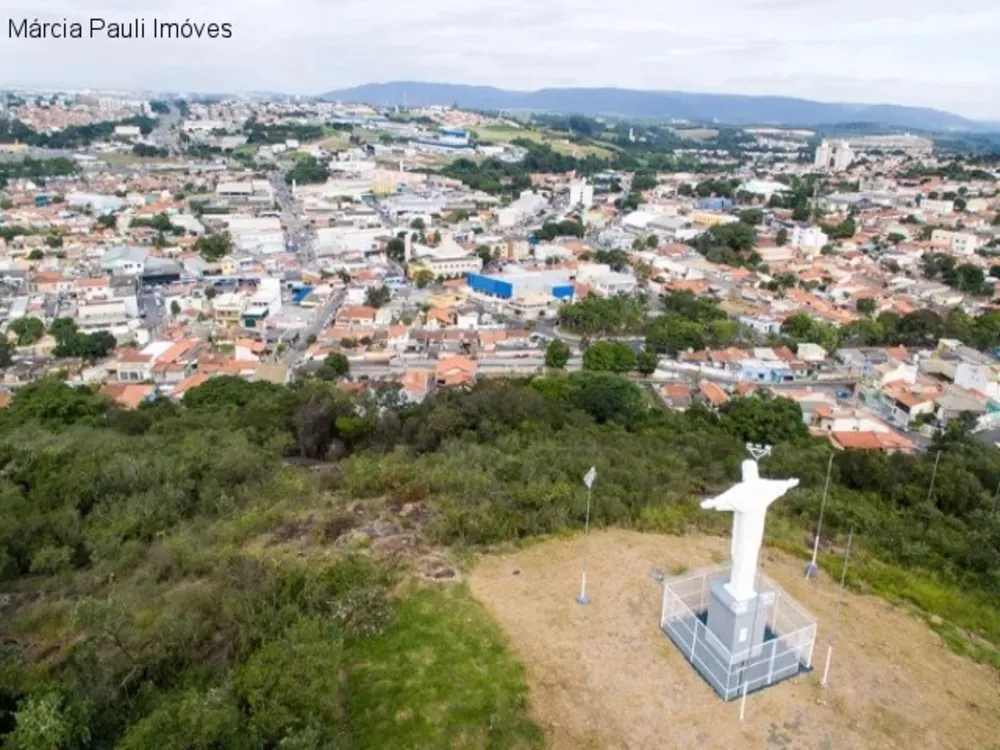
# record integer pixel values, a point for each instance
(177, 350)
(713, 393)
(415, 381)
(257, 347)
(676, 390)
(456, 370)
(872, 441)
(129, 395)
(188, 383)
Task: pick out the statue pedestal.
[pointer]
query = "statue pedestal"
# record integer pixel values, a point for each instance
(738, 625)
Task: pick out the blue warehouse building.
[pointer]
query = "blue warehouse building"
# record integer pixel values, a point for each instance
(518, 284)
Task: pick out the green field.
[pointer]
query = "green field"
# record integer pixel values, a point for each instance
(505, 134)
(440, 676)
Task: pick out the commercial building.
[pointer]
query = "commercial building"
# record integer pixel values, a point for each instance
(246, 193)
(528, 206)
(520, 283)
(912, 145)
(265, 302)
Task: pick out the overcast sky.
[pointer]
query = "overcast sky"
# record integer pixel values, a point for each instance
(921, 52)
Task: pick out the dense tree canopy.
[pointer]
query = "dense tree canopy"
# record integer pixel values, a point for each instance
(171, 579)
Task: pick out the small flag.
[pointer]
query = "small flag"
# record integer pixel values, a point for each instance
(589, 477)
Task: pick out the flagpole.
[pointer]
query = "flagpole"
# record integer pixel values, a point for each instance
(583, 599)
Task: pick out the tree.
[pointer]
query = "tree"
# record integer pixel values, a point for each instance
(6, 353)
(764, 419)
(334, 367)
(395, 249)
(609, 356)
(175, 308)
(737, 236)
(643, 181)
(752, 216)
(556, 354)
(36, 254)
(485, 254)
(47, 721)
(646, 362)
(191, 719)
(652, 242)
(213, 247)
(422, 277)
(307, 170)
(292, 683)
(27, 330)
(378, 296)
(107, 221)
(781, 238)
(606, 397)
(418, 225)
(866, 305)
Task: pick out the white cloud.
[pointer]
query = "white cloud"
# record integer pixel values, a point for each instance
(891, 51)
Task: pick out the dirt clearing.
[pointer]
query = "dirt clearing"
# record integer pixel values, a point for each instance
(603, 676)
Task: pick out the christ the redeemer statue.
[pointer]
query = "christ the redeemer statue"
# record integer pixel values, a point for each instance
(748, 501)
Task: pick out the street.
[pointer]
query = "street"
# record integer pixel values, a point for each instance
(301, 237)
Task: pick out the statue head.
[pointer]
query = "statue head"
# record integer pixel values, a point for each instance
(750, 472)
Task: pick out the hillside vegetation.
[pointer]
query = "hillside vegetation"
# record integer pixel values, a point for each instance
(144, 602)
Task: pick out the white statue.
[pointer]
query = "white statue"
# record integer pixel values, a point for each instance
(748, 501)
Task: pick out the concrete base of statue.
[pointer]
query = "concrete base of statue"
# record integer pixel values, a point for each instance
(739, 625)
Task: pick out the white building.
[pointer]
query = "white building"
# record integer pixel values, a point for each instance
(264, 303)
(808, 239)
(247, 192)
(528, 205)
(959, 243)
(937, 207)
(835, 156)
(982, 378)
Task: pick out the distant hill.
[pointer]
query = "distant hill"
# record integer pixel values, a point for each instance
(724, 108)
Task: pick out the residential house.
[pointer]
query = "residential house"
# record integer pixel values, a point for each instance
(677, 395)
(415, 385)
(249, 350)
(456, 371)
(885, 442)
(712, 394)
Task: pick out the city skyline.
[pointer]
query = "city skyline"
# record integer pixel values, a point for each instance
(885, 51)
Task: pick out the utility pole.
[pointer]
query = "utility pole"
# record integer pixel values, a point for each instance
(840, 604)
(812, 569)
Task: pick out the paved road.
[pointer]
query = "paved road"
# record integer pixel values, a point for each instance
(322, 318)
(167, 131)
(302, 236)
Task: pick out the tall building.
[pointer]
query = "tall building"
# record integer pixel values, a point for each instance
(835, 156)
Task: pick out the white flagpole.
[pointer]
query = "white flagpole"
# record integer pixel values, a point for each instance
(583, 599)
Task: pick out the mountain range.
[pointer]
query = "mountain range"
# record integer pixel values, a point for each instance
(733, 109)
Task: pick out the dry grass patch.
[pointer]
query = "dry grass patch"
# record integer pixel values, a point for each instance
(603, 676)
